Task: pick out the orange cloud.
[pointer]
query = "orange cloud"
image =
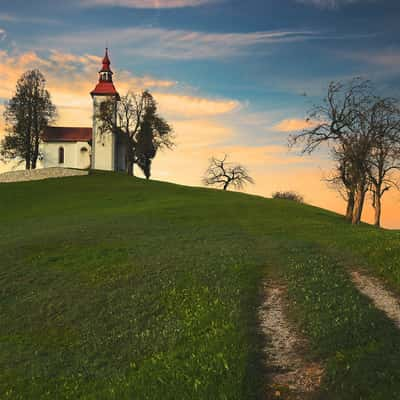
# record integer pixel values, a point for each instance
(199, 133)
(70, 78)
(194, 107)
(292, 125)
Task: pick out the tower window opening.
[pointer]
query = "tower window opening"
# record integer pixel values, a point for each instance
(104, 76)
(61, 155)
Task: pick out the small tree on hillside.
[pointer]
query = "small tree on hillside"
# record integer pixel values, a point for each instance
(26, 115)
(222, 174)
(154, 134)
(288, 195)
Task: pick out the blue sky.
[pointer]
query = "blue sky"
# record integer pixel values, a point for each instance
(324, 40)
(231, 72)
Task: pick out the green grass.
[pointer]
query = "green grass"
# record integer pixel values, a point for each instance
(118, 288)
(359, 345)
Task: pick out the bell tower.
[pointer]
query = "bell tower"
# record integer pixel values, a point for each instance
(104, 141)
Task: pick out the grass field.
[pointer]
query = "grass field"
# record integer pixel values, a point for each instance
(118, 288)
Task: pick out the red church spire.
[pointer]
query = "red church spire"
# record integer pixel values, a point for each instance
(105, 87)
(106, 63)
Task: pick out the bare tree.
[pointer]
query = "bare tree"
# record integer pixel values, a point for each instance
(141, 127)
(341, 122)
(384, 158)
(223, 174)
(343, 181)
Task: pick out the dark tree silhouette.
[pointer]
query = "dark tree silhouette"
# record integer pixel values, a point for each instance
(384, 158)
(154, 134)
(143, 130)
(341, 121)
(342, 178)
(26, 115)
(222, 174)
(288, 195)
(363, 132)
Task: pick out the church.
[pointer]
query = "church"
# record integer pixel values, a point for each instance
(84, 148)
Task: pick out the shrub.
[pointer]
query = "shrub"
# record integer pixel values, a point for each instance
(288, 195)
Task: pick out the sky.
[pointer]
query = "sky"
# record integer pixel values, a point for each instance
(232, 77)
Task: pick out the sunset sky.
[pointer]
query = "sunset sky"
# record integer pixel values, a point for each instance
(231, 76)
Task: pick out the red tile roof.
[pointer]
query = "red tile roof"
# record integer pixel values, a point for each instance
(104, 88)
(66, 134)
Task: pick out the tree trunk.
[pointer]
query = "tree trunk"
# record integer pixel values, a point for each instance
(36, 136)
(358, 205)
(35, 151)
(350, 206)
(129, 168)
(34, 160)
(28, 150)
(378, 208)
(226, 184)
(130, 161)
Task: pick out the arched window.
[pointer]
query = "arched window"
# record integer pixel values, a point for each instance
(61, 155)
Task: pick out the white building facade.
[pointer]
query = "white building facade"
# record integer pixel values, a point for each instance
(84, 148)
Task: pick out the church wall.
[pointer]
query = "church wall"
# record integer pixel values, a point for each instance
(74, 155)
(83, 155)
(103, 143)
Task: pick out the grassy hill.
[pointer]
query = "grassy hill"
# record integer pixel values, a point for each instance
(117, 288)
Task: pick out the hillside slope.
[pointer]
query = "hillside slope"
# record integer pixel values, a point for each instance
(117, 288)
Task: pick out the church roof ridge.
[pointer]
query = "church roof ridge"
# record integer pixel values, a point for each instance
(67, 134)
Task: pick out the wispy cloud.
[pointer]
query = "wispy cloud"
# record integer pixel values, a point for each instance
(331, 4)
(389, 58)
(177, 44)
(3, 34)
(146, 3)
(33, 20)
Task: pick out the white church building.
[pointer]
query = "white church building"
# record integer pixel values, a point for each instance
(83, 148)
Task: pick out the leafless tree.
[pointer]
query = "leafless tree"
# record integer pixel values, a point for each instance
(223, 174)
(384, 159)
(342, 180)
(341, 123)
(136, 117)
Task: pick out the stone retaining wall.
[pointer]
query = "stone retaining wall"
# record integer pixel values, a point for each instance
(39, 174)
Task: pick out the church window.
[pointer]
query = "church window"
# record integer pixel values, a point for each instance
(61, 155)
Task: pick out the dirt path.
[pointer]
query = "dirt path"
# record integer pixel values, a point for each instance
(289, 374)
(383, 299)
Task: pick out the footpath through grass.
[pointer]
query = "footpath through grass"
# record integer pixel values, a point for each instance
(359, 345)
(117, 288)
